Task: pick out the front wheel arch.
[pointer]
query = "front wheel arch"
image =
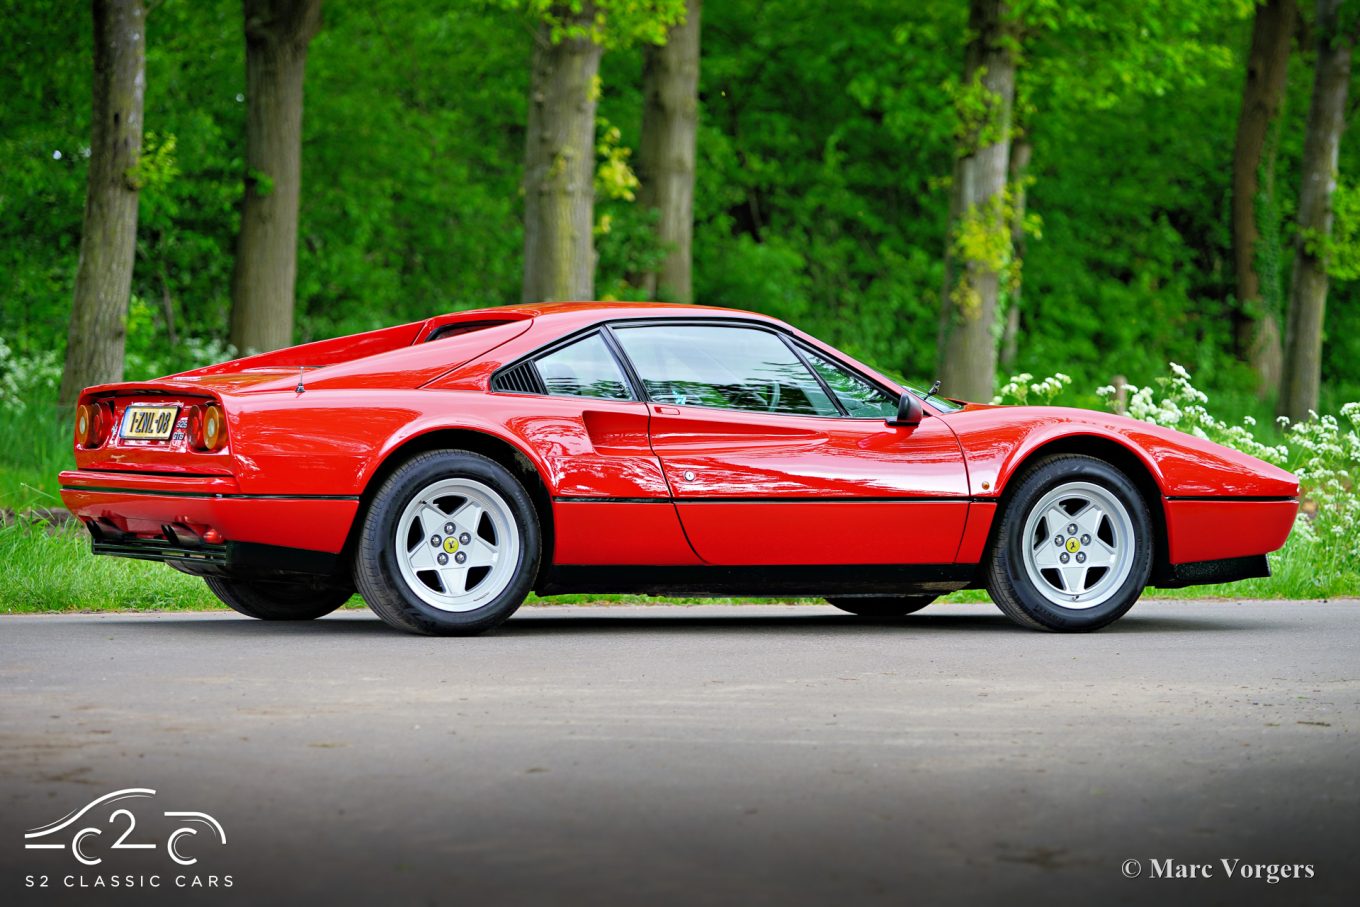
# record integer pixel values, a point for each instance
(1118, 456)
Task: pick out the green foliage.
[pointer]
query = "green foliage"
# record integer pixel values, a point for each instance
(614, 176)
(978, 122)
(616, 23)
(827, 136)
(1341, 250)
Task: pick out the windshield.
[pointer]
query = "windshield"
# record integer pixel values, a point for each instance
(936, 401)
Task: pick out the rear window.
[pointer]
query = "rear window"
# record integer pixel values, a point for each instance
(463, 327)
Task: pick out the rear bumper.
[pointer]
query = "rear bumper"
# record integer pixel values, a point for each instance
(128, 508)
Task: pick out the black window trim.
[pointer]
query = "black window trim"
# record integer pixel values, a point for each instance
(531, 360)
(726, 323)
(638, 389)
(806, 351)
(798, 351)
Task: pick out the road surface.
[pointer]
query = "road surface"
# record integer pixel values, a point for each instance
(755, 754)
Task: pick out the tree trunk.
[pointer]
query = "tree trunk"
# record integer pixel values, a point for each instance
(277, 34)
(1257, 328)
(108, 239)
(1010, 336)
(1308, 285)
(559, 164)
(968, 307)
(665, 163)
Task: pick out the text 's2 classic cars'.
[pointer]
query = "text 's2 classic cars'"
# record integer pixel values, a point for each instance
(447, 468)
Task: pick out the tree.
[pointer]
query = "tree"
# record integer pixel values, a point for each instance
(665, 163)
(979, 246)
(1019, 175)
(1253, 188)
(1321, 146)
(559, 147)
(559, 159)
(108, 239)
(277, 34)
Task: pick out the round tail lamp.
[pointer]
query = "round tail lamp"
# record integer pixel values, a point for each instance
(93, 422)
(207, 427)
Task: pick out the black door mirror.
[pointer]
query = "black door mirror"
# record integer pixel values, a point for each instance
(908, 411)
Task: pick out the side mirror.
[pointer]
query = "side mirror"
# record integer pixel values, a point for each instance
(908, 411)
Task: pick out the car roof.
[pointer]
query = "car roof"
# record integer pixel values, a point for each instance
(567, 316)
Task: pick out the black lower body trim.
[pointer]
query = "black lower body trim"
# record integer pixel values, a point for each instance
(212, 495)
(1201, 573)
(793, 580)
(208, 557)
(238, 560)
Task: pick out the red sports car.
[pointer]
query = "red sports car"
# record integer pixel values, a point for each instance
(446, 468)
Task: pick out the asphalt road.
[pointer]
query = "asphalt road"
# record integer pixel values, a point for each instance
(703, 755)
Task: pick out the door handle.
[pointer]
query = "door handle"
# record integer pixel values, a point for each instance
(667, 411)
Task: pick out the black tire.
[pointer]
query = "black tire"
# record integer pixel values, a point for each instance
(381, 582)
(883, 606)
(1008, 581)
(279, 599)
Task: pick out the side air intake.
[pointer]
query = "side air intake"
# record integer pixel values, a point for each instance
(522, 379)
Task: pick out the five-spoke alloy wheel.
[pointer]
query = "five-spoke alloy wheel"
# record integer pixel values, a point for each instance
(450, 545)
(1073, 550)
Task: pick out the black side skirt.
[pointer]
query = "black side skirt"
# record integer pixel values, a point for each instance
(795, 580)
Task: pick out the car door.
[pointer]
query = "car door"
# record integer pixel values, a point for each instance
(611, 503)
(768, 465)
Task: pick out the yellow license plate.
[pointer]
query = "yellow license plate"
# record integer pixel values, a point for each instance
(148, 423)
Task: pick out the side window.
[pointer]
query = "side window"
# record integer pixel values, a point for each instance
(860, 398)
(727, 367)
(585, 368)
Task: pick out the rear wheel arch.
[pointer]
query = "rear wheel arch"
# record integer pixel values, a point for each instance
(479, 442)
(1118, 456)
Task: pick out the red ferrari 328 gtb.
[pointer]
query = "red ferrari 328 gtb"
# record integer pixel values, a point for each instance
(446, 468)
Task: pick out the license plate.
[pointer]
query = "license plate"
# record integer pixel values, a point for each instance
(148, 423)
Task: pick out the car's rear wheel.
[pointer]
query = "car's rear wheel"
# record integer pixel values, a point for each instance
(279, 599)
(883, 606)
(1074, 547)
(450, 545)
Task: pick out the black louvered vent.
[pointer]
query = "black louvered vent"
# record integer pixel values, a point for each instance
(522, 379)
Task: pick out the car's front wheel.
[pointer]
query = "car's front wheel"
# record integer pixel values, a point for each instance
(449, 546)
(882, 606)
(1074, 547)
(279, 599)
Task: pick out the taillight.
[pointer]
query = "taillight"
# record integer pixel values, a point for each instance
(207, 428)
(93, 423)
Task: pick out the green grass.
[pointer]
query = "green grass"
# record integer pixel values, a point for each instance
(35, 445)
(54, 571)
(50, 570)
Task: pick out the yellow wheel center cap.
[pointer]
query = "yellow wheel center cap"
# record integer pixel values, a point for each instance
(1073, 546)
(451, 545)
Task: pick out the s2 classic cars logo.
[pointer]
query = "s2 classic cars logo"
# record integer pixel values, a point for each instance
(97, 831)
